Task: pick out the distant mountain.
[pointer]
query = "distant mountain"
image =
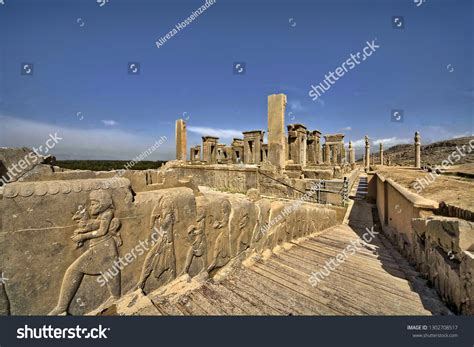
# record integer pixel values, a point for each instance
(431, 154)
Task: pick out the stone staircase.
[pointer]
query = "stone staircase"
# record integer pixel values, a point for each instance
(375, 280)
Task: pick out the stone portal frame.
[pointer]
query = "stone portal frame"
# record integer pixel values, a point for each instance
(195, 153)
(221, 154)
(253, 141)
(314, 148)
(297, 137)
(237, 151)
(264, 152)
(228, 154)
(209, 149)
(334, 149)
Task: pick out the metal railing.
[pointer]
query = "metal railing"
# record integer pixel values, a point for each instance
(321, 189)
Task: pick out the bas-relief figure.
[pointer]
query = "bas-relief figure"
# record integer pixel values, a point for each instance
(243, 241)
(198, 243)
(161, 260)
(100, 229)
(221, 251)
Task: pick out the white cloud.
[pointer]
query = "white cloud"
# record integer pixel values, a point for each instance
(78, 143)
(220, 133)
(358, 143)
(296, 106)
(109, 122)
(387, 142)
(346, 129)
(392, 141)
(321, 102)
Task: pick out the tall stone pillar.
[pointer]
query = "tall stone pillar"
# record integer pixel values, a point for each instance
(417, 150)
(180, 140)
(381, 153)
(319, 153)
(351, 155)
(276, 130)
(367, 153)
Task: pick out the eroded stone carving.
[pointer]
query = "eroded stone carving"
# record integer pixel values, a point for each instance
(197, 239)
(161, 259)
(101, 230)
(221, 252)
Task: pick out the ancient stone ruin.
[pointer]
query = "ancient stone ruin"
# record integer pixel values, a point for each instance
(145, 242)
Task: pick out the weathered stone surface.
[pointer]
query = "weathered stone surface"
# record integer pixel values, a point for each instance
(181, 140)
(276, 130)
(19, 163)
(253, 142)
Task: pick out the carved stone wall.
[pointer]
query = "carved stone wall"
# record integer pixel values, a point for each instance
(72, 246)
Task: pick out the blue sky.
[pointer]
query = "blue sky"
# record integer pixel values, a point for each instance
(81, 89)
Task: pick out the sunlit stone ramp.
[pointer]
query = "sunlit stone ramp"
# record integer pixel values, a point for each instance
(375, 280)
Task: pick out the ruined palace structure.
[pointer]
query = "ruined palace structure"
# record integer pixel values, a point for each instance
(298, 147)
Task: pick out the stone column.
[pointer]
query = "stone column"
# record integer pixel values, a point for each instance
(180, 140)
(276, 130)
(335, 154)
(351, 155)
(367, 153)
(381, 153)
(417, 150)
(327, 154)
(319, 153)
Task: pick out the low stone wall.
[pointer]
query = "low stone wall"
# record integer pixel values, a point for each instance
(444, 253)
(237, 179)
(143, 241)
(442, 248)
(231, 178)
